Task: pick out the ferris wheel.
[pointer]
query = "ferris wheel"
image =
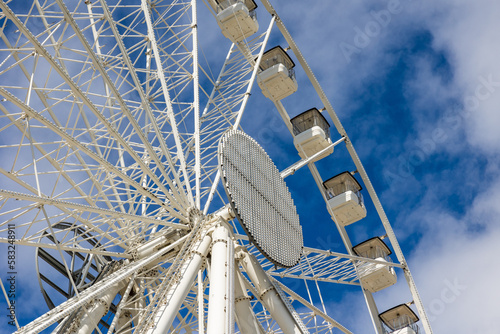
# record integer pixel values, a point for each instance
(125, 167)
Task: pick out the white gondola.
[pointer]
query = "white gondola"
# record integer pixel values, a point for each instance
(236, 18)
(345, 202)
(311, 134)
(277, 76)
(375, 276)
(400, 320)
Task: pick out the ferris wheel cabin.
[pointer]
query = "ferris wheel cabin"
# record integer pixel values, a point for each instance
(236, 18)
(400, 320)
(311, 134)
(277, 76)
(345, 202)
(375, 276)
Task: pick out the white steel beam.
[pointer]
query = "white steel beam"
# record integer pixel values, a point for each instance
(231, 267)
(97, 308)
(119, 318)
(196, 106)
(142, 94)
(66, 248)
(313, 308)
(242, 107)
(123, 106)
(73, 304)
(201, 303)
(245, 317)
(254, 74)
(43, 153)
(179, 290)
(64, 207)
(87, 208)
(268, 294)
(84, 98)
(80, 146)
(57, 167)
(166, 94)
(219, 315)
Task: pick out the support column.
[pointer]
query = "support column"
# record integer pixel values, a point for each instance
(268, 294)
(220, 297)
(245, 317)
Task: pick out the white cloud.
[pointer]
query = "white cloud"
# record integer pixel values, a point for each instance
(461, 253)
(468, 33)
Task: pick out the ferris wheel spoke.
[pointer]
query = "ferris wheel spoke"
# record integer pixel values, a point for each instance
(111, 135)
(109, 171)
(159, 58)
(314, 312)
(319, 265)
(130, 70)
(114, 91)
(124, 225)
(196, 106)
(226, 105)
(68, 307)
(30, 229)
(154, 104)
(176, 282)
(58, 167)
(112, 170)
(160, 138)
(121, 221)
(69, 249)
(327, 268)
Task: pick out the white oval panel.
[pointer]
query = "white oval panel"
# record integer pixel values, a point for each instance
(260, 198)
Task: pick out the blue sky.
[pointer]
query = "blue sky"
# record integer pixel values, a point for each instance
(416, 84)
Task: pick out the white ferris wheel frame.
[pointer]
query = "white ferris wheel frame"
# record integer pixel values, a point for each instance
(132, 206)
